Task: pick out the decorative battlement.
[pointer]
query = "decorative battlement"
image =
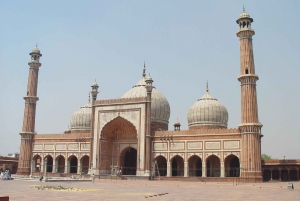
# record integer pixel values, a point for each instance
(199, 131)
(62, 136)
(121, 100)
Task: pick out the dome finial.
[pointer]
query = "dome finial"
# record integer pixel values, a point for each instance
(89, 97)
(144, 70)
(207, 86)
(243, 8)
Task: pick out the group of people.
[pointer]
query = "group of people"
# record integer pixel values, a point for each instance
(5, 175)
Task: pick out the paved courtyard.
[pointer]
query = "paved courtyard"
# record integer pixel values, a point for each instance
(29, 190)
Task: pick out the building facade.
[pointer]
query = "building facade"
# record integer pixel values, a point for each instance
(131, 133)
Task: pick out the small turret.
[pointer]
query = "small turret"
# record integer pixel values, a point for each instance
(177, 125)
(94, 91)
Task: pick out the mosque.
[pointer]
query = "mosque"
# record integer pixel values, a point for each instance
(132, 135)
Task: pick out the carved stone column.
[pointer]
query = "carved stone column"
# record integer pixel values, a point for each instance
(222, 169)
(186, 169)
(203, 169)
(169, 169)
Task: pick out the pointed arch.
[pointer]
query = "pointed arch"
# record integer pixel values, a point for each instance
(84, 161)
(232, 166)
(195, 166)
(49, 160)
(37, 163)
(160, 163)
(119, 129)
(213, 166)
(177, 164)
(60, 164)
(73, 164)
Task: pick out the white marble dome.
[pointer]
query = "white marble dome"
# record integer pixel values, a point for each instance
(81, 119)
(160, 108)
(244, 14)
(36, 50)
(207, 112)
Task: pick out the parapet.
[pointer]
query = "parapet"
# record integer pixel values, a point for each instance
(120, 100)
(62, 136)
(199, 131)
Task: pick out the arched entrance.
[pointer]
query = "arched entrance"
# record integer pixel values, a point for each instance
(37, 163)
(232, 166)
(129, 161)
(177, 166)
(195, 166)
(267, 175)
(60, 162)
(85, 164)
(213, 166)
(73, 164)
(49, 160)
(284, 175)
(275, 174)
(115, 134)
(293, 174)
(161, 165)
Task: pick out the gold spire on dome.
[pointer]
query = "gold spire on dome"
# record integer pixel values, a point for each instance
(207, 86)
(144, 70)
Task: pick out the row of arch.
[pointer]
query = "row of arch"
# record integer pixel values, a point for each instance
(197, 168)
(60, 164)
(283, 174)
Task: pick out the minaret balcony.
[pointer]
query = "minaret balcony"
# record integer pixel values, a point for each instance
(248, 78)
(31, 99)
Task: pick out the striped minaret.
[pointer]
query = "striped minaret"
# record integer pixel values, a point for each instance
(28, 129)
(250, 127)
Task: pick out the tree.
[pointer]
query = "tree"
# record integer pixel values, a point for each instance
(265, 157)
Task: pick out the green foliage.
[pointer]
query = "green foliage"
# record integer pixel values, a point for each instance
(265, 157)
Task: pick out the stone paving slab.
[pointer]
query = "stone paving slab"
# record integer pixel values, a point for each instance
(26, 190)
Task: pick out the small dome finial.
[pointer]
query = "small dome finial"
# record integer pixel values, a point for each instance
(207, 86)
(144, 70)
(89, 97)
(243, 8)
(36, 44)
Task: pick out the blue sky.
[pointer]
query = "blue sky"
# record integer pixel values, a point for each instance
(184, 44)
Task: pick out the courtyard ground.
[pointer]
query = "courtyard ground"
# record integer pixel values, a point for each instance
(27, 190)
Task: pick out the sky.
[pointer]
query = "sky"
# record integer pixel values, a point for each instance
(183, 43)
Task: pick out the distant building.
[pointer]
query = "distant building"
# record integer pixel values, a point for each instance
(15, 155)
(9, 163)
(131, 133)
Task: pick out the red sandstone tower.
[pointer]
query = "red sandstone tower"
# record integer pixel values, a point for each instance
(28, 129)
(250, 127)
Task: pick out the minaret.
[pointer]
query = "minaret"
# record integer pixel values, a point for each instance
(149, 88)
(94, 93)
(250, 127)
(28, 129)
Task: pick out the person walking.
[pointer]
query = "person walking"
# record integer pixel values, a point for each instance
(93, 178)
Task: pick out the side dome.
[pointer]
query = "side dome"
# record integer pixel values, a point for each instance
(81, 119)
(207, 112)
(160, 108)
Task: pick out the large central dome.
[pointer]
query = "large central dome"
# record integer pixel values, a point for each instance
(207, 112)
(160, 108)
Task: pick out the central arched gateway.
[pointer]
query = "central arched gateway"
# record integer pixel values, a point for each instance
(118, 147)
